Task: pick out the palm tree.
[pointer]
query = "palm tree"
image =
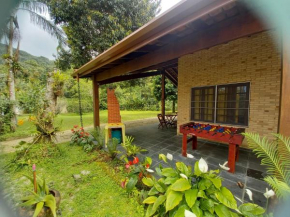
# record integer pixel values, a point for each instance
(12, 33)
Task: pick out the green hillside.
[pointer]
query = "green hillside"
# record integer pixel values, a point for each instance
(24, 57)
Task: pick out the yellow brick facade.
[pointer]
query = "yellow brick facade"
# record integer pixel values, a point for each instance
(253, 59)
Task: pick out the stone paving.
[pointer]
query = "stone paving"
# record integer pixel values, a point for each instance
(248, 168)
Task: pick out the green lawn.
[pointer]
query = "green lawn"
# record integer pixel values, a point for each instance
(67, 121)
(96, 194)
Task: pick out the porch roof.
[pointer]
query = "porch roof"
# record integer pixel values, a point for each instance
(186, 28)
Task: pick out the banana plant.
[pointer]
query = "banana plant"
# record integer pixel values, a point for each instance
(40, 198)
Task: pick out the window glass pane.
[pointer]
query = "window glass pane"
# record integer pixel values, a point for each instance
(233, 104)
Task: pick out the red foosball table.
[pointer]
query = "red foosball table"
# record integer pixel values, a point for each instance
(230, 135)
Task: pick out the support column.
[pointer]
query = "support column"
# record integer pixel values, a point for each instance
(284, 120)
(163, 94)
(96, 102)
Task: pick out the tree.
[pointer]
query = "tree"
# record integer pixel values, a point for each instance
(170, 91)
(12, 33)
(93, 26)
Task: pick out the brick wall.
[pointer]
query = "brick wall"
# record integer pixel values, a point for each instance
(255, 59)
(113, 107)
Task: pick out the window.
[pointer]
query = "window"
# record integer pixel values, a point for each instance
(228, 104)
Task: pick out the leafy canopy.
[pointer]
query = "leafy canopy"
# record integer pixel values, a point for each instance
(94, 26)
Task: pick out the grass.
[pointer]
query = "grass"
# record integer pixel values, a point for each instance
(67, 121)
(96, 194)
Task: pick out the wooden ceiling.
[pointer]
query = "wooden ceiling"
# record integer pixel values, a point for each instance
(229, 14)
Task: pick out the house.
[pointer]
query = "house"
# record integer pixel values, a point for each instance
(229, 67)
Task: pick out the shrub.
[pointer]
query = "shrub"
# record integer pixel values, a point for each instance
(130, 148)
(137, 170)
(181, 192)
(6, 115)
(82, 138)
(112, 147)
(99, 135)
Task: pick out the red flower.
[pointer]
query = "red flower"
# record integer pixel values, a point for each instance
(72, 130)
(123, 183)
(140, 175)
(136, 160)
(82, 128)
(147, 166)
(127, 166)
(130, 163)
(82, 132)
(76, 126)
(87, 134)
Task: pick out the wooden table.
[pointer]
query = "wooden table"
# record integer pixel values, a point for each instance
(229, 135)
(170, 118)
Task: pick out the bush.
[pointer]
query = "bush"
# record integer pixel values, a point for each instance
(73, 105)
(99, 135)
(112, 147)
(181, 192)
(5, 115)
(82, 138)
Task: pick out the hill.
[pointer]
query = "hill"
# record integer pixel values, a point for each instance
(24, 57)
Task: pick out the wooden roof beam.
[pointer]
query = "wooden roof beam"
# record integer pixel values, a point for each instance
(129, 77)
(228, 30)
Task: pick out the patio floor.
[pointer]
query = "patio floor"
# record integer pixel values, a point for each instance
(248, 168)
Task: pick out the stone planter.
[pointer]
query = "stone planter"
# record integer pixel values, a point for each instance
(45, 212)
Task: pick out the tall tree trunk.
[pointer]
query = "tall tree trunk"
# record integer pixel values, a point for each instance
(173, 106)
(11, 77)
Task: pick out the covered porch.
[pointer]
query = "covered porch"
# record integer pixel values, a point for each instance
(248, 169)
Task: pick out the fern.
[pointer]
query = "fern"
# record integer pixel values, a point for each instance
(281, 189)
(276, 157)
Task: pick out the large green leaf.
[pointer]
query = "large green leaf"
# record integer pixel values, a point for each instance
(181, 210)
(208, 214)
(191, 196)
(38, 209)
(204, 184)
(131, 183)
(173, 199)
(170, 180)
(148, 181)
(181, 185)
(222, 211)
(160, 187)
(163, 157)
(149, 211)
(226, 197)
(251, 210)
(182, 168)
(216, 181)
(158, 202)
(153, 191)
(49, 201)
(196, 210)
(207, 204)
(169, 172)
(150, 200)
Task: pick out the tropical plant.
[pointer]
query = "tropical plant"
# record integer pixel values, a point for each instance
(130, 148)
(99, 135)
(276, 157)
(40, 198)
(46, 131)
(82, 138)
(180, 192)
(112, 147)
(137, 170)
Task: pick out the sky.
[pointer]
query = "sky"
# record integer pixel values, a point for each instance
(39, 43)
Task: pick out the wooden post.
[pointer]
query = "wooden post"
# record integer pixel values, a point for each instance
(96, 102)
(232, 157)
(184, 145)
(163, 94)
(284, 119)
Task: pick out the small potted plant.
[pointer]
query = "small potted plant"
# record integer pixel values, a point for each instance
(43, 201)
(131, 149)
